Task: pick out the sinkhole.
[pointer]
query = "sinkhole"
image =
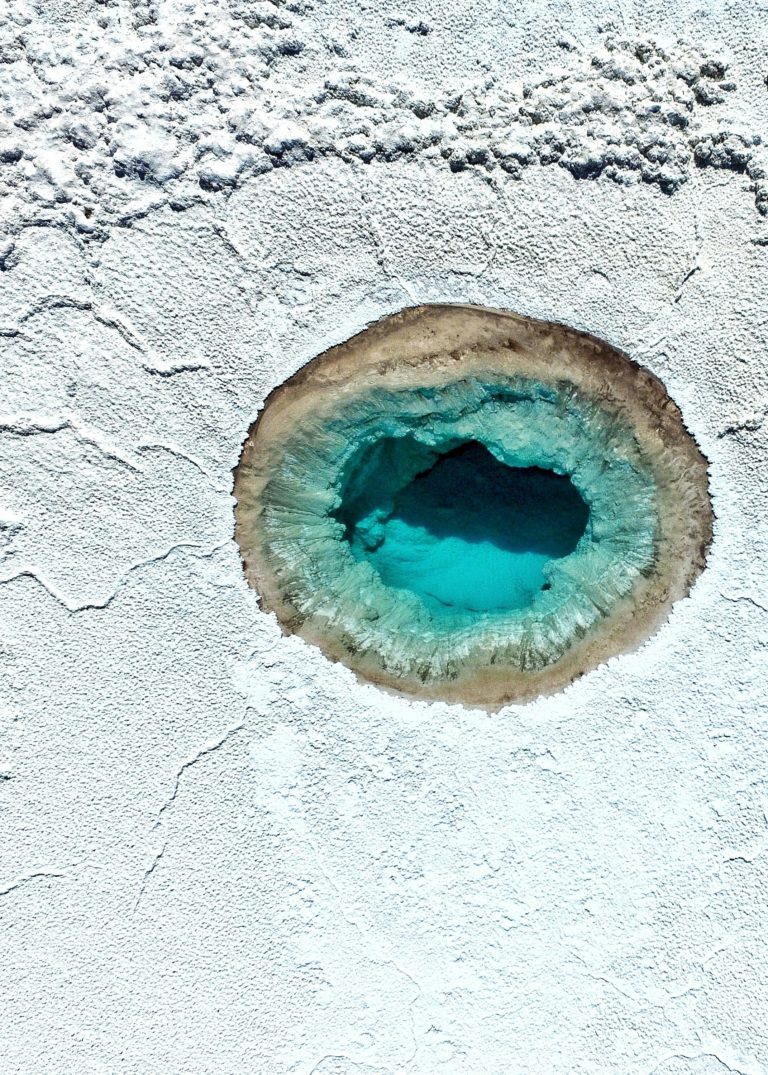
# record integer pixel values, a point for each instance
(459, 528)
(469, 505)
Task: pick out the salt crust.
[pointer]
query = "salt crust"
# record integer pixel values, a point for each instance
(221, 853)
(100, 129)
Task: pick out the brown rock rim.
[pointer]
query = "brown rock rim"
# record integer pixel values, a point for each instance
(433, 347)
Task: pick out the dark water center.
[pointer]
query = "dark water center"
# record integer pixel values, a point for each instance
(463, 530)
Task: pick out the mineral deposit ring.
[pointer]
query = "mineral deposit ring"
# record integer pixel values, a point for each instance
(469, 505)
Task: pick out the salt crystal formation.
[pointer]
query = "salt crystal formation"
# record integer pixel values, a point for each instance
(99, 130)
(325, 470)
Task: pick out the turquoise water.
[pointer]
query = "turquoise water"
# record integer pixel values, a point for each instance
(440, 529)
(467, 533)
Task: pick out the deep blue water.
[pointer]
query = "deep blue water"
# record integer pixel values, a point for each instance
(469, 532)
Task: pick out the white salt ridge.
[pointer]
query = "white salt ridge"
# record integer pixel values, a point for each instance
(97, 119)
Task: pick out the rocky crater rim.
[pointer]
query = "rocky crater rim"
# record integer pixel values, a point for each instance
(532, 394)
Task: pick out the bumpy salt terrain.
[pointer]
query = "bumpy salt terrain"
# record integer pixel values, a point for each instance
(222, 852)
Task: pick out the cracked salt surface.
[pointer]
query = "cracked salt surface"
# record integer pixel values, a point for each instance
(353, 883)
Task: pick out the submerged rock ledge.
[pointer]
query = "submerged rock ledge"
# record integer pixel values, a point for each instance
(534, 395)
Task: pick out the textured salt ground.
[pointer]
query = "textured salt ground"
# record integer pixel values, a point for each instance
(219, 852)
